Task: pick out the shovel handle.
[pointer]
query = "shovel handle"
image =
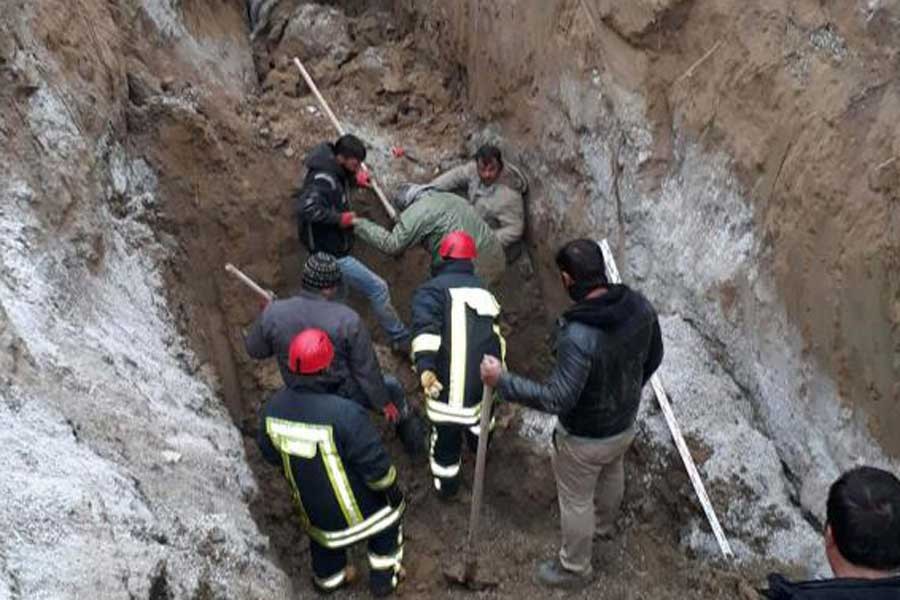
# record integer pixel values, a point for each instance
(487, 399)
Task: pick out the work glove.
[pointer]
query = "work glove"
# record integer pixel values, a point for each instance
(430, 384)
(347, 219)
(363, 179)
(398, 151)
(394, 495)
(391, 413)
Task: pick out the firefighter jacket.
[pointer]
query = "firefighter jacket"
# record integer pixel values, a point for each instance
(340, 474)
(355, 366)
(607, 348)
(427, 221)
(455, 322)
(500, 204)
(319, 202)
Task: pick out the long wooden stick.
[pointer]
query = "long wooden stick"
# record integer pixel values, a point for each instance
(249, 282)
(666, 408)
(471, 556)
(340, 129)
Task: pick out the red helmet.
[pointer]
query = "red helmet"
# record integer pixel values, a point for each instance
(311, 351)
(458, 244)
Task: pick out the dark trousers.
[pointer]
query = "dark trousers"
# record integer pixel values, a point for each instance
(385, 558)
(446, 455)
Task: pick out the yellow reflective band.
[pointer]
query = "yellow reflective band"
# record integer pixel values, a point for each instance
(333, 582)
(478, 299)
(426, 342)
(386, 481)
(444, 472)
(456, 395)
(439, 412)
(502, 343)
(383, 563)
(303, 439)
(437, 484)
(378, 522)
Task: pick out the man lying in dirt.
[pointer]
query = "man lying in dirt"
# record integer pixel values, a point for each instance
(426, 216)
(862, 542)
(325, 223)
(455, 323)
(608, 346)
(496, 192)
(343, 481)
(355, 368)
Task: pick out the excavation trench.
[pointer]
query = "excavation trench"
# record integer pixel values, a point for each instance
(226, 171)
(728, 176)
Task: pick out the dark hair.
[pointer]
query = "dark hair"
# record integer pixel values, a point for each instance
(350, 146)
(582, 259)
(489, 153)
(864, 514)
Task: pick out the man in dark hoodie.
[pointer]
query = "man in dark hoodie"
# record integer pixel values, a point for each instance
(325, 224)
(608, 345)
(862, 542)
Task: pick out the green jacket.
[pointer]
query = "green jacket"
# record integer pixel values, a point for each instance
(426, 221)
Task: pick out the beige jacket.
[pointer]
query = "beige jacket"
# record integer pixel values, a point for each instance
(500, 204)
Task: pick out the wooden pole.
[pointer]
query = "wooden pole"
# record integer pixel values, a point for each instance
(471, 556)
(249, 282)
(675, 430)
(340, 129)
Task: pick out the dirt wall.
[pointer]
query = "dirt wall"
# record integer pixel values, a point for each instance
(742, 157)
(123, 475)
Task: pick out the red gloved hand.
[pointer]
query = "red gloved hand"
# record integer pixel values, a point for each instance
(264, 304)
(362, 178)
(391, 414)
(398, 151)
(347, 219)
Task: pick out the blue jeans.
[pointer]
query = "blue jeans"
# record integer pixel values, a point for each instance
(359, 277)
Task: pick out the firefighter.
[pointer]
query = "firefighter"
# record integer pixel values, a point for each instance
(455, 323)
(342, 479)
(355, 366)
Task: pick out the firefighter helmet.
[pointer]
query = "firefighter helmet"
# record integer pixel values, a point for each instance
(311, 351)
(458, 244)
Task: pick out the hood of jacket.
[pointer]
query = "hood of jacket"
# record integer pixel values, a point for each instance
(608, 312)
(321, 158)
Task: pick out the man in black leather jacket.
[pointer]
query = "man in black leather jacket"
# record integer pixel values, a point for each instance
(862, 542)
(608, 345)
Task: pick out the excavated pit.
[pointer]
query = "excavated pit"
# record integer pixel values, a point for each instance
(366, 70)
(174, 148)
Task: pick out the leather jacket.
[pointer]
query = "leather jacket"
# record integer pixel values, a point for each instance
(607, 349)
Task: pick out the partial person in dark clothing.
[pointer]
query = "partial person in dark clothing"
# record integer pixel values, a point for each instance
(355, 369)
(325, 224)
(342, 478)
(608, 346)
(862, 542)
(455, 323)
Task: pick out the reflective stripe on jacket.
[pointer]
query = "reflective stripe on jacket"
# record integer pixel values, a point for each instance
(455, 323)
(334, 460)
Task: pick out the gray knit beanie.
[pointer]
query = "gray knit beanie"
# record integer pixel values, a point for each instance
(321, 272)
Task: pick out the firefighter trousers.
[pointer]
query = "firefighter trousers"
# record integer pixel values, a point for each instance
(385, 559)
(445, 455)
